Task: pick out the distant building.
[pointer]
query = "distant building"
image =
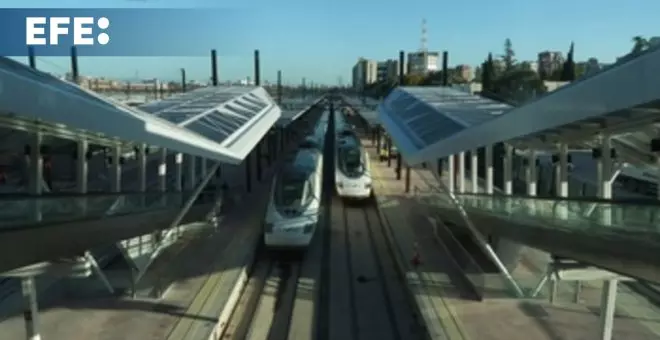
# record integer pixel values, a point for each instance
(465, 72)
(388, 70)
(549, 62)
(422, 63)
(365, 72)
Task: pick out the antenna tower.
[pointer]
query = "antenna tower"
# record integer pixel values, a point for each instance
(423, 47)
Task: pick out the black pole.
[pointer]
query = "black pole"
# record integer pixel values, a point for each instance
(378, 129)
(74, 64)
(279, 87)
(402, 60)
(31, 59)
(445, 75)
(257, 72)
(389, 151)
(248, 172)
(407, 179)
(183, 80)
(398, 165)
(214, 68)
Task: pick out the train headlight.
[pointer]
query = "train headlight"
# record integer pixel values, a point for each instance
(268, 227)
(308, 228)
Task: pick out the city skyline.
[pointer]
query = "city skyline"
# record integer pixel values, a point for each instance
(334, 36)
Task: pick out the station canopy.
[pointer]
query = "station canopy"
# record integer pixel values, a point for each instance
(361, 103)
(420, 118)
(621, 100)
(294, 107)
(219, 123)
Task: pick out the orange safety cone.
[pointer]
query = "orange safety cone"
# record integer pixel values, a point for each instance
(416, 258)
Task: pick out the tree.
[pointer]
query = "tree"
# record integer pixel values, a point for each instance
(477, 74)
(568, 69)
(640, 44)
(509, 55)
(487, 74)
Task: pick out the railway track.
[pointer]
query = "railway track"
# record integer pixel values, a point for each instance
(366, 295)
(265, 308)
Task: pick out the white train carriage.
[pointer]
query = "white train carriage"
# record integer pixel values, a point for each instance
(352, 170)
(293, 211)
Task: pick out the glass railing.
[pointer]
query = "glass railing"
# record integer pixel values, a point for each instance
(27, 210)
(581, 215)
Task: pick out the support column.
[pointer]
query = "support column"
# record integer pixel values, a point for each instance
(607, 308)
(398, 166)
(162, 171)
(82, 170)
(609, 290)
(530, 179)
(489, 169)
(191, 180)
(31, 309)
(141, 155)
(258, 157)
(389, 151)
(269, 151)
(178, 172)
(115, 169)
(461, 172)
(35, 164)
(407, 178)
(451, 176)
(562, 178)
(530, 173)
(508, 251)
(378, 131)
(474, 171)
(203, 167)
(82, 165)
(508, 169)
(248, 172)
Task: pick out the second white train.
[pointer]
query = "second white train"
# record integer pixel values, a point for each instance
(295, 205)
(352, 170)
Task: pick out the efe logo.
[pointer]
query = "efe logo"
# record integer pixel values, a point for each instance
(82, 30)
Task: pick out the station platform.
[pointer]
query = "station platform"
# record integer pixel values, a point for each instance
(451, 311)
(70, 224)
(199, 271)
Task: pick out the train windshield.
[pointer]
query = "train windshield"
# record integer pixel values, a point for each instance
(293, 189)
(351, 162)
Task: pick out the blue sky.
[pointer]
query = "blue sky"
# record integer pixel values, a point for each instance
(321, 40)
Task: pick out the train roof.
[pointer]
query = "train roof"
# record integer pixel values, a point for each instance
(310, 142)
(349, 141)
(303, 162)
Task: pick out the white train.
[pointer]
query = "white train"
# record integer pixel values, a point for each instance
(293, 211)
(352, 170)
